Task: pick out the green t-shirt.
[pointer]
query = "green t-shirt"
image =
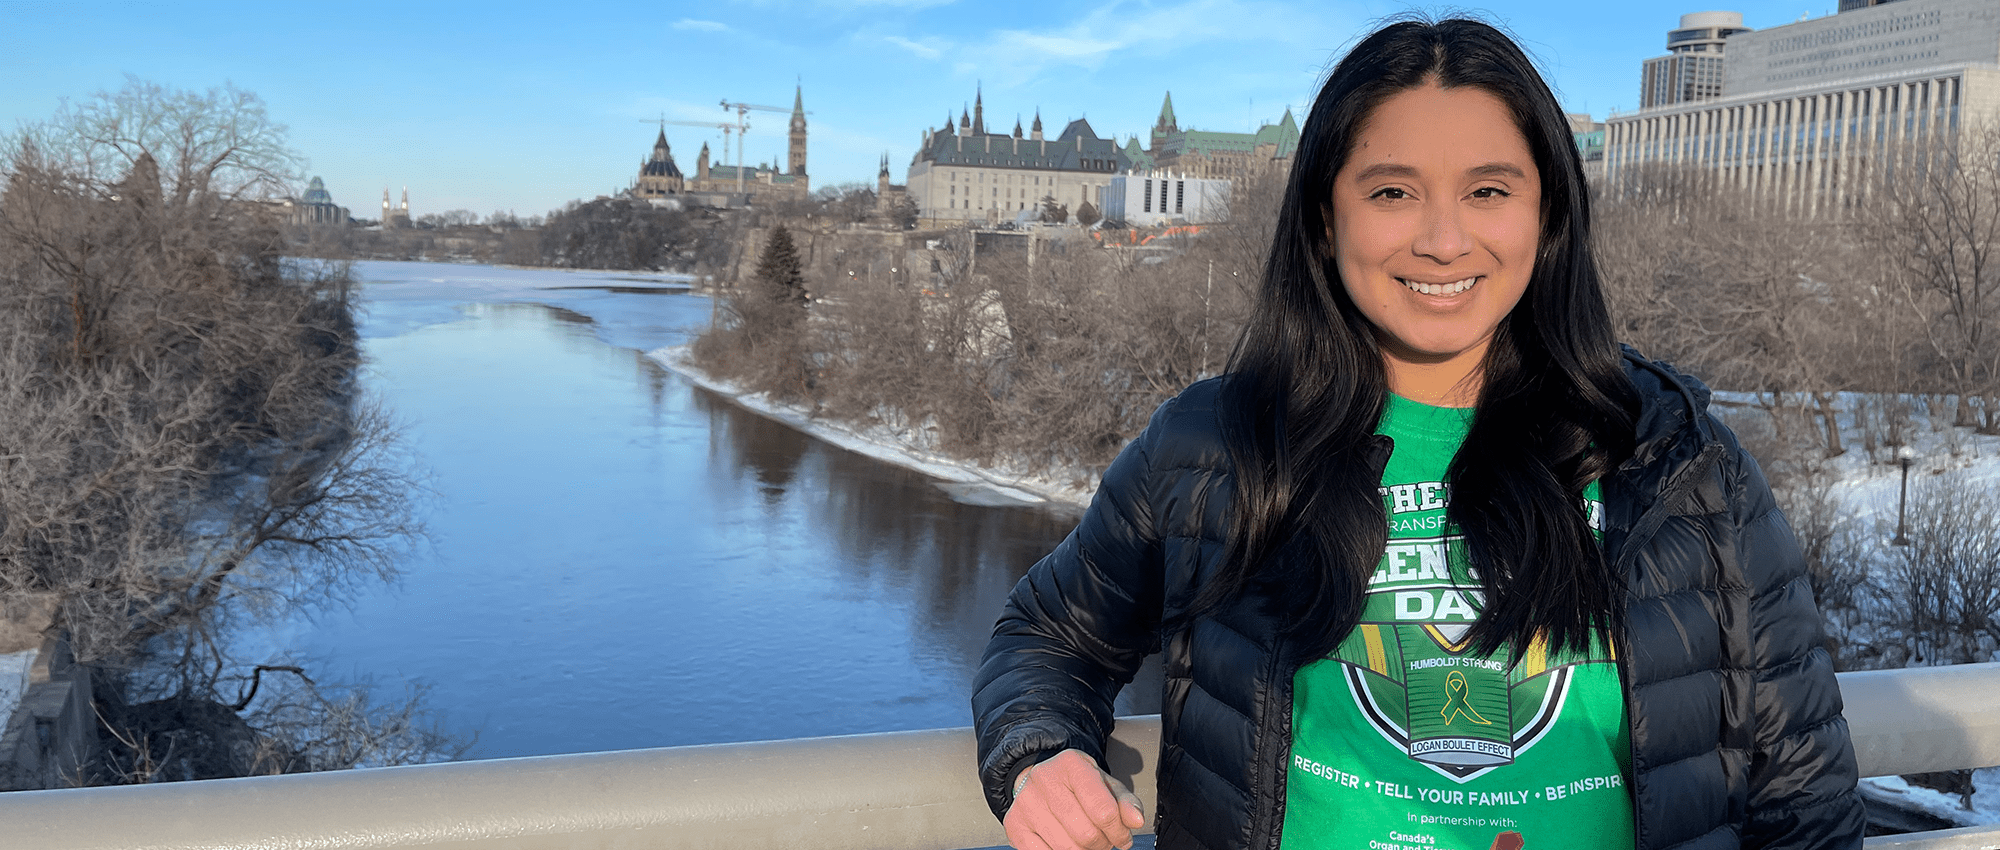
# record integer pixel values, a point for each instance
(1404, 740)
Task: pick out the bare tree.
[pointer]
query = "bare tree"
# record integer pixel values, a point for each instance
(1755, 296)
(1934, 215)
(182, 441)
(218, 143)
(1944, 589)
(448, 218)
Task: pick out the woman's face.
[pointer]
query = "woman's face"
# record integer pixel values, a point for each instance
(1436, 218)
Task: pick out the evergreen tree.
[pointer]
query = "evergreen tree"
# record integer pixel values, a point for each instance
(1053, 212)
(780, 272)
(1087, 215)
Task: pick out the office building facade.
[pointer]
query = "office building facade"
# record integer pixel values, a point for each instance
(1808, 111)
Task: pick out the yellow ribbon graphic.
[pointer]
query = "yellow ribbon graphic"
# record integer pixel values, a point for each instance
(1455, 702)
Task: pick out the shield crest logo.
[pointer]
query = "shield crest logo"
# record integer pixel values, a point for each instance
(1409, 669)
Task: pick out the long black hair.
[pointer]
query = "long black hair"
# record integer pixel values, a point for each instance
(1306, 386)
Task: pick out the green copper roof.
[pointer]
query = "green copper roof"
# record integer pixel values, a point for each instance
(1167, 111)
(1138, 156)
(1284, 136)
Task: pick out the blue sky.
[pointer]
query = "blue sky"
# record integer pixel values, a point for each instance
(498, 106)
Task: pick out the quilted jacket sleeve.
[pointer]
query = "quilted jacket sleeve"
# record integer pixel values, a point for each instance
(1074, 630)
(1802, 772)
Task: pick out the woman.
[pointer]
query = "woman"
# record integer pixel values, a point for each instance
(1434, 564)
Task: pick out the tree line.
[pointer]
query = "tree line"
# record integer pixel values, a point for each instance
(184, 448)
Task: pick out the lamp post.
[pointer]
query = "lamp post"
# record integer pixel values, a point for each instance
(1903, 456)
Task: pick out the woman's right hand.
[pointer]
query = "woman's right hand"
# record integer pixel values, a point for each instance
(1067, 803)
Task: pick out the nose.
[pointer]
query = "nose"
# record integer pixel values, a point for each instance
(1442, 235)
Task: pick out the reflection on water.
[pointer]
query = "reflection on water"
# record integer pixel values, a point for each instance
(624, 560)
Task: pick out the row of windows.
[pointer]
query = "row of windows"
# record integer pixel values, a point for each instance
(1015, 179)
(1179, 187)
(1018, 205)
(1082, 165)
(1798, 129)
(996, 192)
(1824, 55)
(1085, 193)
(1898, 23)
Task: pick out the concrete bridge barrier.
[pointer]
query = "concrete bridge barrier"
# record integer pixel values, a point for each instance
(892, 791)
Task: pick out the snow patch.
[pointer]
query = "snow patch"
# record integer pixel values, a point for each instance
(1895, 791)
(909, 448)
(14, 668)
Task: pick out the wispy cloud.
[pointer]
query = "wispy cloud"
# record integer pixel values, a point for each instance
(701, 26)
(929, 48)
(1120, 29)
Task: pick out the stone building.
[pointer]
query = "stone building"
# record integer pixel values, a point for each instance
(887, 195)
(1809, 111)
(658, 177)
(1216, 155)
(316, 206)
(964, 174)
(397, 217)
(767, 180)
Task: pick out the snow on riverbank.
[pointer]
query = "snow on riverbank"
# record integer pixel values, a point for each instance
(1869, 487)
(905, 447)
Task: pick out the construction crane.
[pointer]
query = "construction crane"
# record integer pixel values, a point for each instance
(738, 128)
(742, 124)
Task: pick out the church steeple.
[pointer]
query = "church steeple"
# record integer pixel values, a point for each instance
(1017, 126)
(978, 111)
(964, 122)
(1037, 132)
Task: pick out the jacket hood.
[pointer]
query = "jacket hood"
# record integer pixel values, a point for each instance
(1672, 406)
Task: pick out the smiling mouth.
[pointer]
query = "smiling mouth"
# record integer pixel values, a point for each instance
(1439, 288)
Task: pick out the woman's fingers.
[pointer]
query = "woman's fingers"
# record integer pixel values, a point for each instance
(1129, 810)
(1067, 803)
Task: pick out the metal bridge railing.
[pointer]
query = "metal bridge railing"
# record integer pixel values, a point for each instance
(893, 791)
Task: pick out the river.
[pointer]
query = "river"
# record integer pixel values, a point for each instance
(620, 559)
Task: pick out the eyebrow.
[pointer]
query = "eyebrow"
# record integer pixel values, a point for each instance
(1392, 169)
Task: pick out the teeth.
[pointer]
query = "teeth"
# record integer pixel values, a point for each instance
(1440, 288)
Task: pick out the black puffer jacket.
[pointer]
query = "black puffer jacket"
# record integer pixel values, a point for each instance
(1737, 733)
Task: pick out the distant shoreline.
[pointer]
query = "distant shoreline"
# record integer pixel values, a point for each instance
(963, 481)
